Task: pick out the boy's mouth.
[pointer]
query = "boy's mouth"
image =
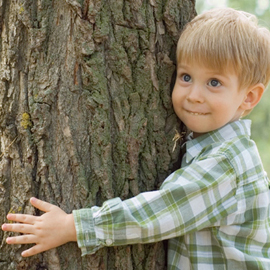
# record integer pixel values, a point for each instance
(196, 113)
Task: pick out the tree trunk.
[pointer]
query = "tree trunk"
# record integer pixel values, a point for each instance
(86, 114)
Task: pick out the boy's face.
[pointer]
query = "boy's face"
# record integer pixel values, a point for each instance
(205, 99)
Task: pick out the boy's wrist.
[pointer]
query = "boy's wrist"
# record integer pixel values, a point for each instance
(72, 235)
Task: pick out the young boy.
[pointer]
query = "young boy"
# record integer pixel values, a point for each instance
(215, 209)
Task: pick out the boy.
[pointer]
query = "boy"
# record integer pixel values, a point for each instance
(215, 209)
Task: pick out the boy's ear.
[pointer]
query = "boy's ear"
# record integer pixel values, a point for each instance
(253, 96)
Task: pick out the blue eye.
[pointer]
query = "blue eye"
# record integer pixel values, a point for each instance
(214, 83)
(186, 78)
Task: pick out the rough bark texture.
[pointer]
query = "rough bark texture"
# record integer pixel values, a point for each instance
(85, 113)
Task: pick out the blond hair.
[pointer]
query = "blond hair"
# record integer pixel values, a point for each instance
(227, 39)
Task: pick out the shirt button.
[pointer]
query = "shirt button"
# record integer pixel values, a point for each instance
(109, 242)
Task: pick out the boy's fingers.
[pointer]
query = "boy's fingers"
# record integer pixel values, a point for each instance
(23, 218)
(32, 251)
(22, 239)
(41, 205)
(21, 228)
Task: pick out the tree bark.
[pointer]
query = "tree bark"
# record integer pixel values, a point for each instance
(86, 114)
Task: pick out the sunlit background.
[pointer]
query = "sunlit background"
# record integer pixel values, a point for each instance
(260, 116)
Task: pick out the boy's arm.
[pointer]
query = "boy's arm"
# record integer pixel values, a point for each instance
(190, 199)
(52, 229)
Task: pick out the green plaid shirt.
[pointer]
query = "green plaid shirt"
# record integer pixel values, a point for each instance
(214, 210)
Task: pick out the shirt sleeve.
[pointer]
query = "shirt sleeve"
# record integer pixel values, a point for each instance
(190, 199)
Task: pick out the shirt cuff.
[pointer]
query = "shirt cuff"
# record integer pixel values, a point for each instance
(86, 236)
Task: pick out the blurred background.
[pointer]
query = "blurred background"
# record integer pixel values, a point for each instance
(260, 116)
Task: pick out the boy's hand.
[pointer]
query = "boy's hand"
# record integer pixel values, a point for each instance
(52, 229)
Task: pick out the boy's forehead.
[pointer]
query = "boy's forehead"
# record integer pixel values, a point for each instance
(207, 67)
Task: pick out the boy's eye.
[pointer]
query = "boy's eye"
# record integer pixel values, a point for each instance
(186, 78)
(214, 83)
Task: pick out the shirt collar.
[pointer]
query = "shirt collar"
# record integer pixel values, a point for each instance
(227, 132)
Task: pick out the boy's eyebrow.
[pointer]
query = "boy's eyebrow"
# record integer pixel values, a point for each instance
(182, 66)
(185, 67)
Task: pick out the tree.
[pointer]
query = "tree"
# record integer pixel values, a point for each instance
(85, 113)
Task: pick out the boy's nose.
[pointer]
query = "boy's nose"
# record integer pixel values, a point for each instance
(195, 94)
